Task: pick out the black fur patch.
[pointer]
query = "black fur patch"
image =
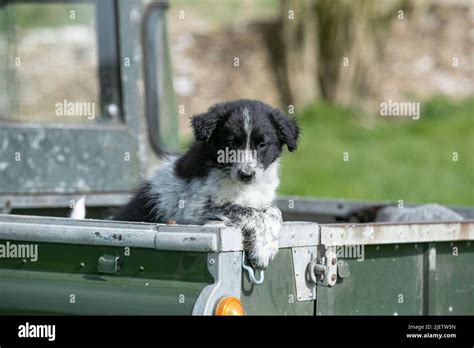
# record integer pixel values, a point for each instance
(222, 127)
(139, 208)
(195, 163)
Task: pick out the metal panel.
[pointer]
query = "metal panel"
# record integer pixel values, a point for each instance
(67, 231)
(148, 282)
(451, 279)
(47, 160)
(56, 158)
(389, 281)
(109, 233)
(19, 201)
(293, 234)
(370, 234)
(188, 241)
(302, 256)
(277, 294)
(130, 14)
(226, 268)
(50, 293)
(422, 279)
(134, 262)
(64, 159)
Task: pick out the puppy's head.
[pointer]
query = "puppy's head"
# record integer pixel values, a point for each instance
(244, 137)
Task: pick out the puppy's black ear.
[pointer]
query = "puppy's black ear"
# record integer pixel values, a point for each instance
(287, 128)
(204, 124)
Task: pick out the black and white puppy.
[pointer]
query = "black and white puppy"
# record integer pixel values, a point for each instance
(230, 173)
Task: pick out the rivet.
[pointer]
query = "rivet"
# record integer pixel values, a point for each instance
(141, 268)
(82, 264)
(333, 277)
(297, 274)
(333, 261)
(23, 261)
(212, 261)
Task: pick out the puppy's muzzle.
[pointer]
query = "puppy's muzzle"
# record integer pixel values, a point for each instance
(246, 174)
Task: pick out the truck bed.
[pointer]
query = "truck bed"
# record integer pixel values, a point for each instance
(108, 267)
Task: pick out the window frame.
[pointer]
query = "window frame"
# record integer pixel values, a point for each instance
(159, 88)
(108, 142)
(109, 87)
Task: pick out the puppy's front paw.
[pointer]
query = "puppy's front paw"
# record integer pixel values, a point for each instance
(261, 234)
(260, 257)
(274, 213)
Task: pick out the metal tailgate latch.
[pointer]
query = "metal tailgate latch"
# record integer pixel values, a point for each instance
(313, 266)
(323, 269)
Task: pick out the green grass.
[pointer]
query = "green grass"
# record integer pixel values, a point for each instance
(45, 15)
(397, 159)
(223, 13)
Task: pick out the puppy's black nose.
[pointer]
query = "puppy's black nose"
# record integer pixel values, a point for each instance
(246, 176)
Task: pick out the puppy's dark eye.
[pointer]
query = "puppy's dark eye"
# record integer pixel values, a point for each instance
(262, 145)
(234, 143)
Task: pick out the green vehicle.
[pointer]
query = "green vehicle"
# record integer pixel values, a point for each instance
(50, 264)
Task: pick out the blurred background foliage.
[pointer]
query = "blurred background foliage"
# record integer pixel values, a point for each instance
(396, 159)
(29, 15)
(291, 52)
(332, 61)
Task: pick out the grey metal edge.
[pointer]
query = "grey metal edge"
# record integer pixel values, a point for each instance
(384, 233)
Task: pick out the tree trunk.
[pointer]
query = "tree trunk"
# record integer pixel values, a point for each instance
(301, 50)
(330, 46)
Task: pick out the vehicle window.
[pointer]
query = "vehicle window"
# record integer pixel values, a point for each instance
(50, 67)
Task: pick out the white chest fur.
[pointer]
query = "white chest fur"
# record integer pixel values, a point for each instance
(255, 195)
(186, 201)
